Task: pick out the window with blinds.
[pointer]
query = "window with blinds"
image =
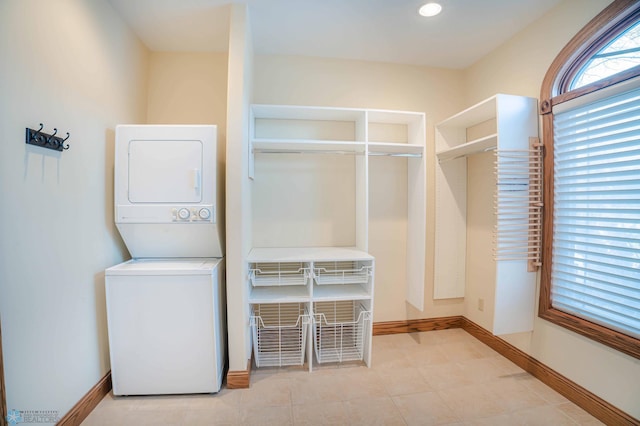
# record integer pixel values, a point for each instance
(595, 272)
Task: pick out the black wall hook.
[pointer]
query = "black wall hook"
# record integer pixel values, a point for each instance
(61, 142)
(55, 130)
(45, 140)
(39, 130)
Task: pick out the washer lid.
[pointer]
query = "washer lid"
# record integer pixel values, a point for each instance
(165, 267)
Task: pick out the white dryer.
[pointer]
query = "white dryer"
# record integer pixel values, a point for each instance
(166, 307)
(167, 192)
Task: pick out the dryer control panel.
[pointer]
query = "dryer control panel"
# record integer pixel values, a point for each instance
(201, 213)
(193, 214)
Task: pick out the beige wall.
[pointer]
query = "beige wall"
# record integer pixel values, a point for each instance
(299, 80)
(191, 88)
(74, 65)
(187, 88)
(518, 67)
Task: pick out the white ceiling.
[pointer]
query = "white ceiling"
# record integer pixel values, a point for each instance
(374, 30)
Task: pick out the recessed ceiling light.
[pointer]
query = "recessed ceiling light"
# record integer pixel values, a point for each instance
(430, 9)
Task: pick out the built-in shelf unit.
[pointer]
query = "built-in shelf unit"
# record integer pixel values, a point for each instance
(331, 282)
(297, 120)
(323, 291)
(502, 123)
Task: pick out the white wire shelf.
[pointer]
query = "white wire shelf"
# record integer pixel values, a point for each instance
(279, 334)
(306, 254)
(279, 294)
(339, 330)
(279, 274)
(331, 273)
(340, 292)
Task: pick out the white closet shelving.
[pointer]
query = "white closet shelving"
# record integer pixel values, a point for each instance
(504, 289)
(297, 121)
(483, 144)
(293, 208)
(332, 293)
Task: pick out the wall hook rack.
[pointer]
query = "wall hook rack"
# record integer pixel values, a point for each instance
(45, 140)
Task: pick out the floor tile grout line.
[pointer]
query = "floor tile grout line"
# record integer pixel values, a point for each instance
(404, 419)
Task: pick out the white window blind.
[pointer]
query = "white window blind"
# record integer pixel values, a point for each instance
(596, 238)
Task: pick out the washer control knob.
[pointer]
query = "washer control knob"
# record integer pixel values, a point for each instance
(184, 213)
(204, 214)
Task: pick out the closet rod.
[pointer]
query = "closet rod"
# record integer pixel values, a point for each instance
(304, 151)
(394, 154)
(340, 152)
(444, 160)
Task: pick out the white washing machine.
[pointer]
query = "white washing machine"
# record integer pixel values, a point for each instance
(166, 307)
(167, 326)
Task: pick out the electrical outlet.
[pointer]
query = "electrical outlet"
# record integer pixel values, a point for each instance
(481, 305)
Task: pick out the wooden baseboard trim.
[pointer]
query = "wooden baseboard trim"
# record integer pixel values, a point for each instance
(412, 326)
(81, 410)
(239, 379)
(589, 402)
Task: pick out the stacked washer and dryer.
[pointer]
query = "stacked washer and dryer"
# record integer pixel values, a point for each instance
(166, 307)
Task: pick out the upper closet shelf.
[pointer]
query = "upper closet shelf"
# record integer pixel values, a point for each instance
(294, 112)
(483, 111)
(292, 129)
(279, 146)
(487, 143)
(263, 145)
(395, 149)
(394, 117)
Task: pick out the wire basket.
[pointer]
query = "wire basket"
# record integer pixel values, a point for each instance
(279, 334)
(339, 331)
(279, 273)
(341, 273)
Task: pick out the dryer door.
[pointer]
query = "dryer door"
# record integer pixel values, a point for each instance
(165, 171)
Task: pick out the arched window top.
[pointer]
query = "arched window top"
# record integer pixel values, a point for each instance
(620, 54)
(605, 52)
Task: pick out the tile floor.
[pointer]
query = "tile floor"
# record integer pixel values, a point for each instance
(429, 378)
